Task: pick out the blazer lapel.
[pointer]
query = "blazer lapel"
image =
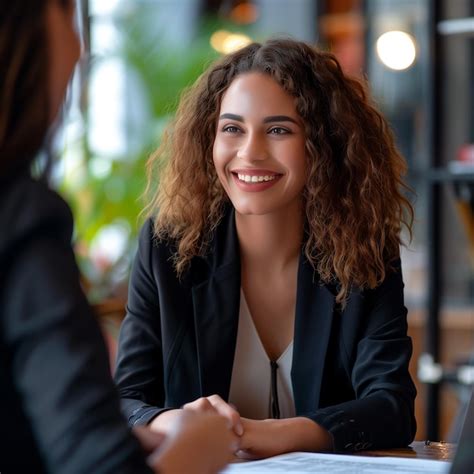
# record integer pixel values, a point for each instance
(216, 302)
(313, 320)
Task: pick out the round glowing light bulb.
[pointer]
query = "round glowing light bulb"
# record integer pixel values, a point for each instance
(235, 41)
(226, 42)
(396, 49)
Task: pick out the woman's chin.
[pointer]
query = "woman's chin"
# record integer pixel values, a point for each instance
(253, 209)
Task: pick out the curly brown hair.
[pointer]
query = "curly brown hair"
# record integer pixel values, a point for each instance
(354, 201)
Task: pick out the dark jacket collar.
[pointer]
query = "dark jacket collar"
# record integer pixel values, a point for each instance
(223, 249)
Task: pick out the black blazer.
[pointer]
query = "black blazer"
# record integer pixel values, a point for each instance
(350, 368)
(60, 410)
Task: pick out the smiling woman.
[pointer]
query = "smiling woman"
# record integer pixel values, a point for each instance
(260, 146)
(267, 284)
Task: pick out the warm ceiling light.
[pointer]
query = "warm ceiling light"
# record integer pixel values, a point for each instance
(235, 41)
(217, 40)
(227, 42)
(396, 50)
(244, 13)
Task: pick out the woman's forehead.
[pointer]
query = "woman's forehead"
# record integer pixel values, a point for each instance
(256, 92)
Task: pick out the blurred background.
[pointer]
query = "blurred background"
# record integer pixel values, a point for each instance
(418, 58)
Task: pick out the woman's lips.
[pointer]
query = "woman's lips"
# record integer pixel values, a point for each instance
(255, 180)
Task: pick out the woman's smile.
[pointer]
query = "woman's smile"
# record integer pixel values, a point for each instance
(255, 180)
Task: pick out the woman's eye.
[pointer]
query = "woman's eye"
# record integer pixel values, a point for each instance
(230, 129)
(278, 131)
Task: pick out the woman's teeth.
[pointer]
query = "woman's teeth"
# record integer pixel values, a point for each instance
(255, 179)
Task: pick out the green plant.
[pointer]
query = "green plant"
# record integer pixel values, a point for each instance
(99, 201)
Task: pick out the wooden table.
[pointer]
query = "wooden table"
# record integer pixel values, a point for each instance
(437, 451)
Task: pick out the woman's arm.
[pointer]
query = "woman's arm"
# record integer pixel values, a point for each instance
(382, 414)
(265, 438)
(139, 370)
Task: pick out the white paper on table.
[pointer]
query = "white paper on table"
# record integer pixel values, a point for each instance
(317, 463)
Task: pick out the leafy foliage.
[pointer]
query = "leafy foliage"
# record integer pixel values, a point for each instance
(162, 72)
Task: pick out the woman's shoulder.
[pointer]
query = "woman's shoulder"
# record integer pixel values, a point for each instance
(28, 209)
(151, 240)
(157, 248)
(150, 236)
(155, 252)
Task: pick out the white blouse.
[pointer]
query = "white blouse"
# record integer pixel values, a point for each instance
(250, 387)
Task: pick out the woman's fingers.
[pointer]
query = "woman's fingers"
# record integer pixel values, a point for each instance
(214, 403)
(228, 411)
(201, 405)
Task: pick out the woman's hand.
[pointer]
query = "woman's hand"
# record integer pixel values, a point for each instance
(197, 443)
(266, 438)
(211, 404)
(261, 439)
(216, 404)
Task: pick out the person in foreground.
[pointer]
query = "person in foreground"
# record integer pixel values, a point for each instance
(267, 284)
(61, 412)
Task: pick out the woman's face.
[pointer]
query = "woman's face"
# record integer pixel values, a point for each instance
(64, 50)
(259, 149)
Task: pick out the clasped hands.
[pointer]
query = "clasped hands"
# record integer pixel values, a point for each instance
(197, 443)
(255, 438)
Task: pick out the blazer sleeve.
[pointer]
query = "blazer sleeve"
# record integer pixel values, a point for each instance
(382, 414)
(139, 369)
(59, 365)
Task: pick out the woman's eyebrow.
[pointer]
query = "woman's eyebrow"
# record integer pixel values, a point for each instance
(270, 119)
(239, 118)
(279, 118)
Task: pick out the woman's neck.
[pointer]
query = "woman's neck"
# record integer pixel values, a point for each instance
(270, 241)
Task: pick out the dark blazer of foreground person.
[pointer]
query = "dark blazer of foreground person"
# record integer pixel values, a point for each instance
(60, 411)
(350, 367)
(60, 408)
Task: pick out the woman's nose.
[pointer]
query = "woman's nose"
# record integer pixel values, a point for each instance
(253, 148)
